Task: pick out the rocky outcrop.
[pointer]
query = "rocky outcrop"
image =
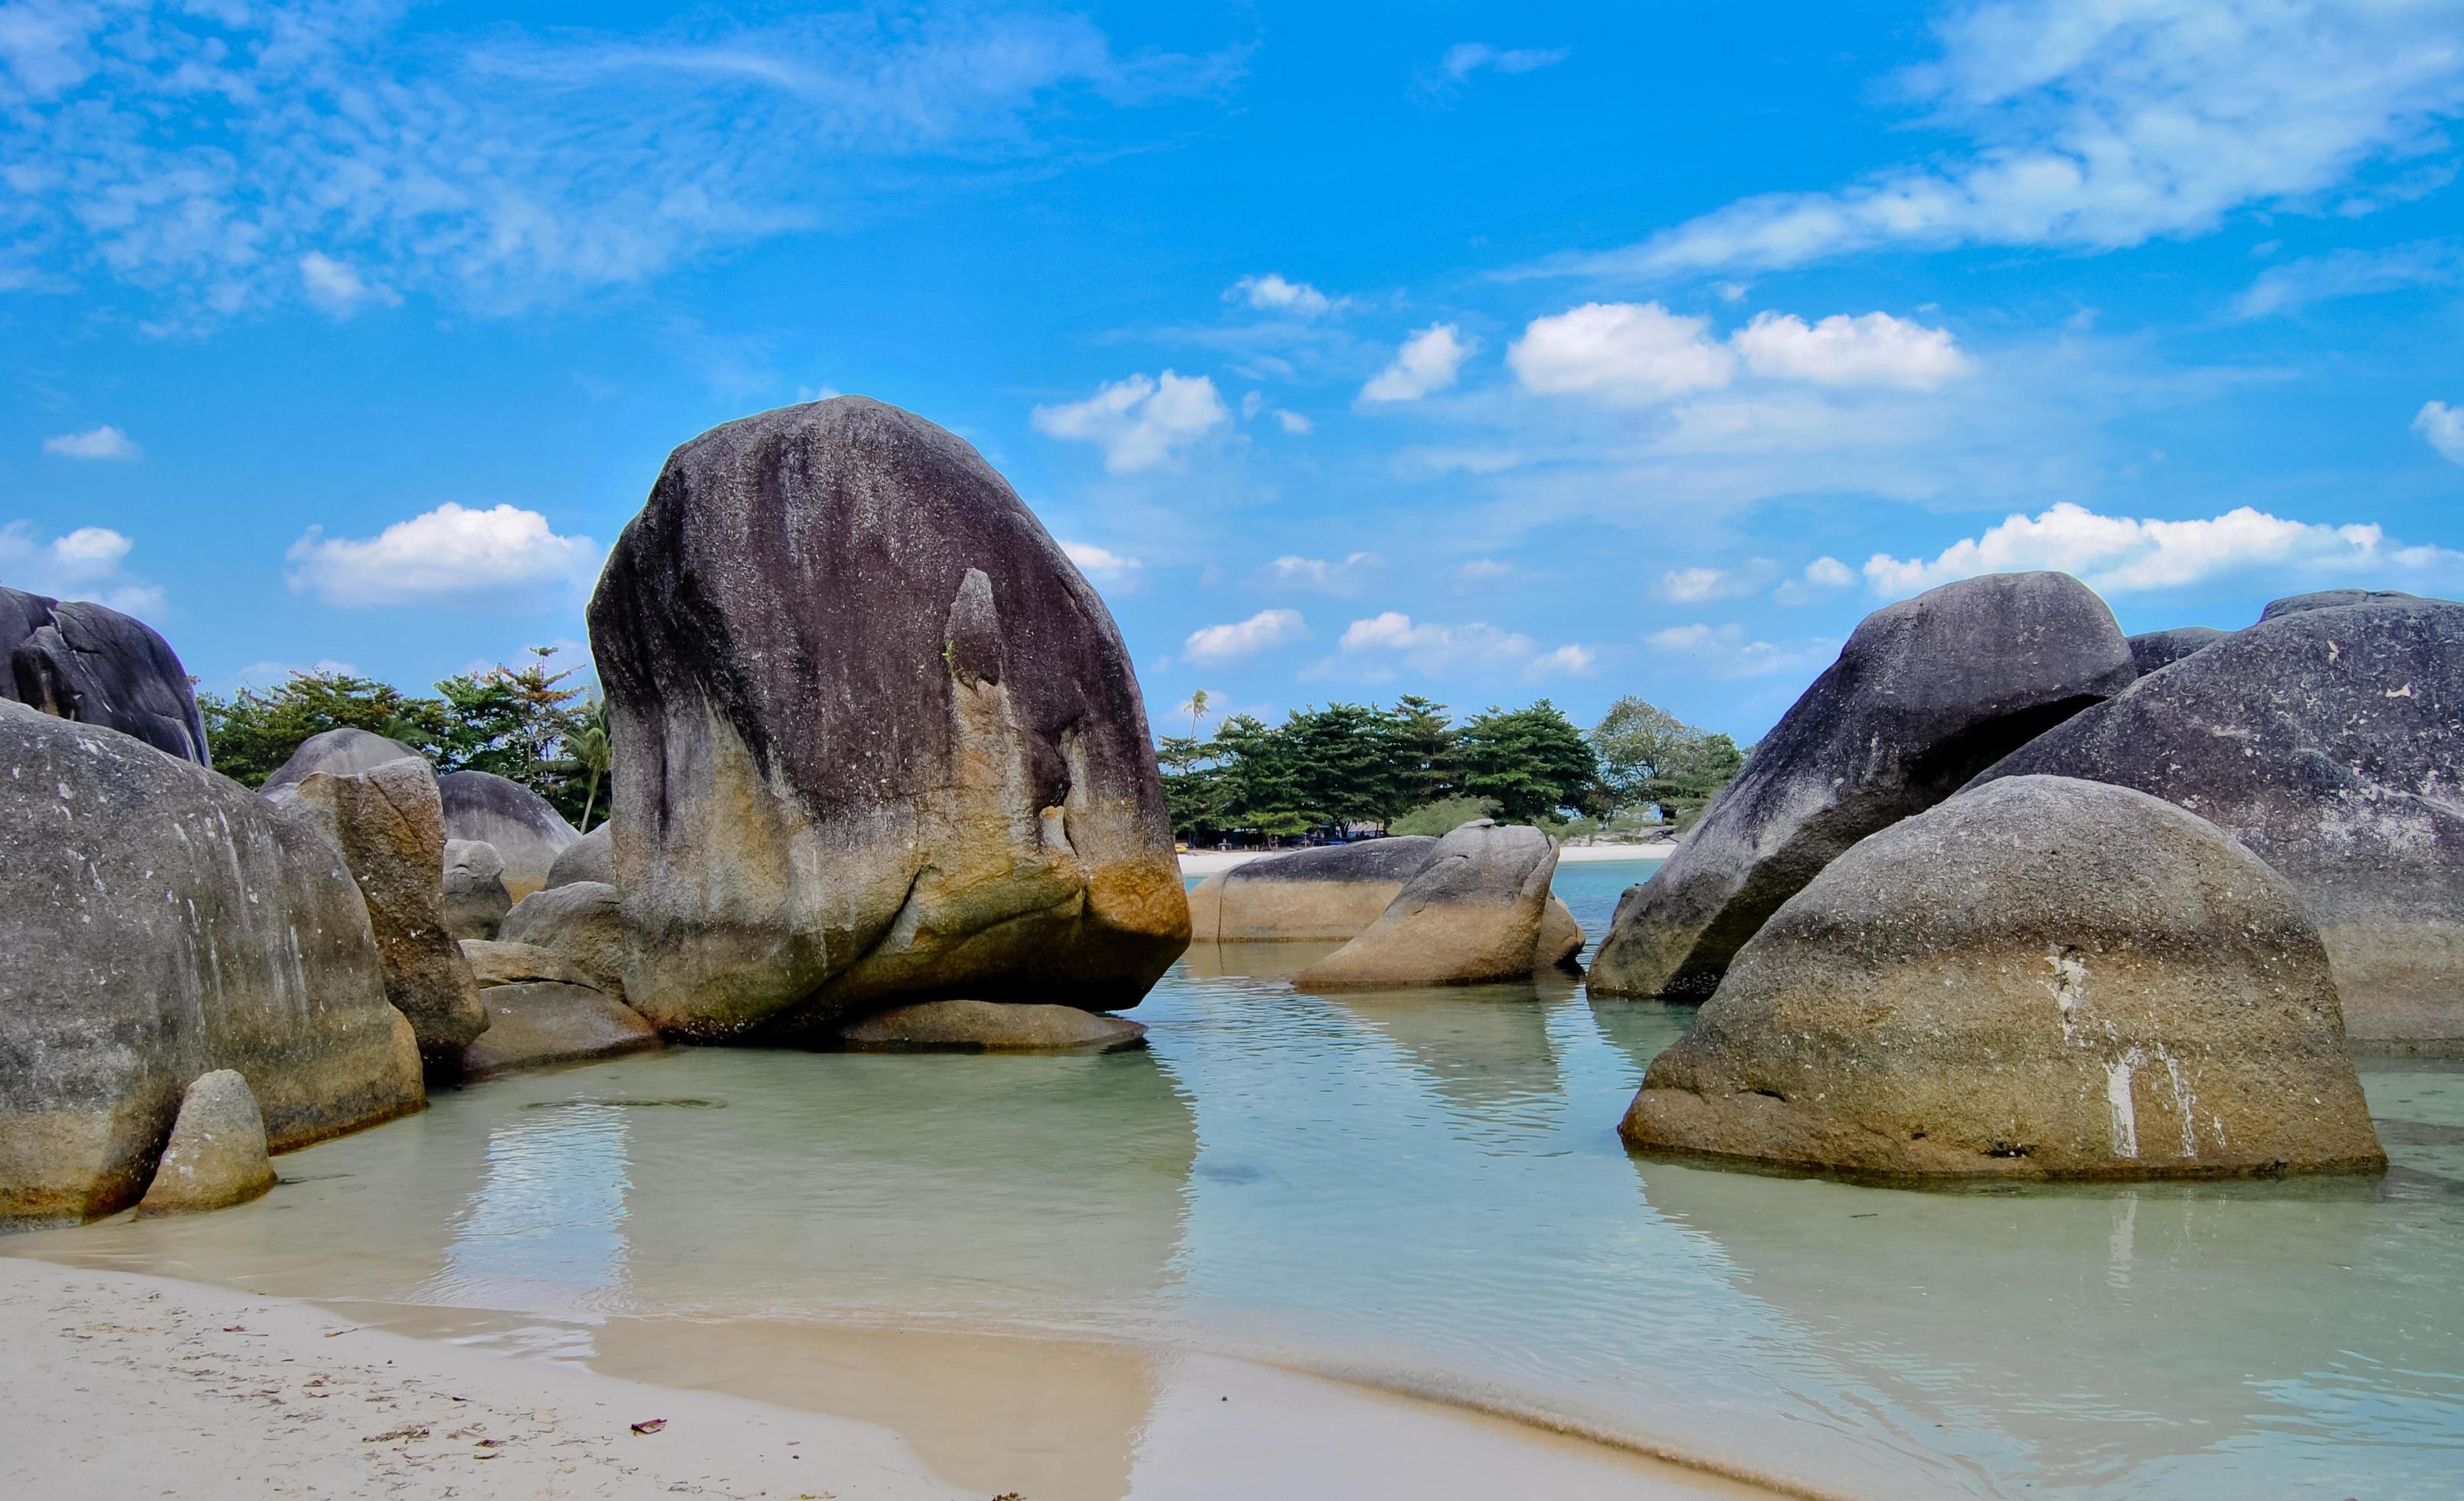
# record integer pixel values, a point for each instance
(217, 1156)
(96, 666)
(534, 1024)
(991, 1026)
(390, 826)
(2162, 649)
(527, 833)
(875, 740)
(2333, 599)
(497, 962)
(583, 924)
(1473, 914)
(590, 858)
(2330, 742)
(1928, 692)
(1322, 896)
(162, 922)
(2043, 978)
(475, 900)
(340, 752)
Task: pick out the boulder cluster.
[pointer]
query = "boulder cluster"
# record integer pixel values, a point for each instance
(2008, 894)
(883, 780)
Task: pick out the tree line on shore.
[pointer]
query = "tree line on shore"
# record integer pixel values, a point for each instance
(1409, 767)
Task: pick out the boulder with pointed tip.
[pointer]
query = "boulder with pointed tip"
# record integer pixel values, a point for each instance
(1472, 914)
(1332, 892)
(1927, 693)
(92, 664)
(217, 1156)
(875, 740)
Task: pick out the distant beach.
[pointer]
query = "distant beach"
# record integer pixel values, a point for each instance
(1206, 862)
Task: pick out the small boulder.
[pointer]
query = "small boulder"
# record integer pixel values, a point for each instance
(540, 1022)
(2042, 978)
(2162, 649)
(475, 900)
(1472, 914)
(390, 825)
(1560, 944)
(583, 924)
(1927, 693)
(93, 664)
(340, 752)
(527, 832)
(497, 962)
(217, 1156)
(590, 858)
(991, 1026)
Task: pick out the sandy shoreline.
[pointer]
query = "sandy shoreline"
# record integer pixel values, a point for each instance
(1206, 862)
(123, 1384)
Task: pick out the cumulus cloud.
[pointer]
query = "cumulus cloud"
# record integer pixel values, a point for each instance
(1620, 351)
(1829, 573)
(1728, 652)
(1429, 647)
(87, 564)
(1875, 349)
(2104, 127)
(1239, 638)
(2442, 426)
(1319, 573)
(335, 287)
(1101, 563)
(1429, 361)
(1271, 293)
(452, 554)
(1139, 423)
(2118, 554)
(103, 442)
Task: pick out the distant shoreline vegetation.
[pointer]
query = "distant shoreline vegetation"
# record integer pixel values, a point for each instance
(1410, 768)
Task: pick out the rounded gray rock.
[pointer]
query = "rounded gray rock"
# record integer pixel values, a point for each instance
(527, 832)
(340, 752)
(590, 858)
(582, 923)
(93, 664)
(475, 899)
(217, 1156)
(1472, 914)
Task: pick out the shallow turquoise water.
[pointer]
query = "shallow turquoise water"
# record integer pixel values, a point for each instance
(1427, 1189)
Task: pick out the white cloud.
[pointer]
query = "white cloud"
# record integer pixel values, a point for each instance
(1100, 561)
(2106, 125)
(1429, 647)
(103, 442)
(1139, 422)
(1688, 584)
(1728, 652)
(1319, 573)
(2443, 425)
(501, 555)
(1483, 568)
(2296, 285)
(1829, 573)
(1621, 351)
(2118, 554)
(1273, 294)
(1239, 638)
(333, 286)
(1429, 361)
(1875, 349)
(1464, 58)
(1294, 423)
(87, 564)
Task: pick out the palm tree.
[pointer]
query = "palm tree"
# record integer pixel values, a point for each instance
(586, 749)
(1197, 710)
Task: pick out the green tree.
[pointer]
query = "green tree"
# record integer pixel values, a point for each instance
(1423, 747)
(1341, 767)
(1193, 790)
(1261, 779)
(1637, 744)
(1443, 816)
(254, 731)
(588, 754)
(1697, 777)
(1531, 761)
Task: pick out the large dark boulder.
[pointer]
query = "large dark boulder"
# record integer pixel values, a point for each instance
(2042, 978)
(2330, 742)
(342, 752)
(528, 832)
(96, 666)
(1927, 693)
(1472, 914)
(2156, 649)
(162, 922)
(875, 738)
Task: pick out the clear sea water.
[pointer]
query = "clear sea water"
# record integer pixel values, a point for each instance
(1428, 1190)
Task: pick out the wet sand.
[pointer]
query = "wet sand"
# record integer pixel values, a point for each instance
(123, 1384)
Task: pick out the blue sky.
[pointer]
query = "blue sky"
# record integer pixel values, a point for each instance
(1481, 352)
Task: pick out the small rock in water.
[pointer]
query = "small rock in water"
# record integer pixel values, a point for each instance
(217, 1155)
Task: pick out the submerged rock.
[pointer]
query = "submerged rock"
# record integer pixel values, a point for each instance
(2330, 742)
(590, 858)
(1472, 914)
(2042, 978)
(217, 1156)
(93, 664)
(583, 923)
(992, 1026)
(390, 825)
(475, 900)
(527, 833)
(340, 752)
(875, 738)
(2162, 649)
(536, 1022)
(162, 922)
(1928, 692)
